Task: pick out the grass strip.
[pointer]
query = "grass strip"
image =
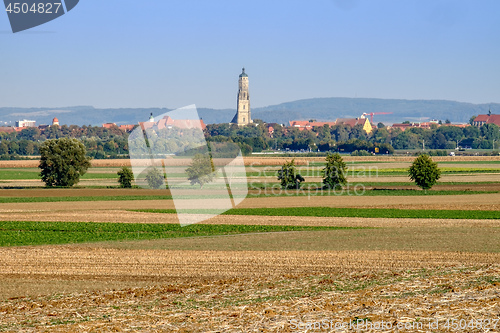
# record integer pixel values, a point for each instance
(357, 190)
(351, 212)
(19, 233)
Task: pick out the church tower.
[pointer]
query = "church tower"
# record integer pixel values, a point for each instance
(243, 116)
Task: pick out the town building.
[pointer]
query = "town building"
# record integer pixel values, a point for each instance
(486, 119)
(365, 122)
(55, 121)
(424, 125)
(109, 125)
(305, 124)
(243, 115)
(168, 123)
(126, 128)
(26, 123)
(6, 129)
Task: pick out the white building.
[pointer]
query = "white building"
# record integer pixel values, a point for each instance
(25, 123)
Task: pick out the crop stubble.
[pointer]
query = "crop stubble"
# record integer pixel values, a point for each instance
(199, 291)
(238, 291)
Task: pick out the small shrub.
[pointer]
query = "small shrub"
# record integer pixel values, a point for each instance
(334, 172)
(201, 170)
(288, 176)
(155, 178)
(424, 172)
(125, 177)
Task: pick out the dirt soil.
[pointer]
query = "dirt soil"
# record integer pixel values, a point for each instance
(200, 291)
(78, 192)
(490, 201)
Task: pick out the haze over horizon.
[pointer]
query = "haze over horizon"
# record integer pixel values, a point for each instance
(129, 54)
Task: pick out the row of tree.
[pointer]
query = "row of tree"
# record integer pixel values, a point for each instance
(423, 171)
(113, 142)
(343, 138)
(63, 161)
(99, 142)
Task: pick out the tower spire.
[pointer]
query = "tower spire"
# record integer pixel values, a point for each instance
(243, 115)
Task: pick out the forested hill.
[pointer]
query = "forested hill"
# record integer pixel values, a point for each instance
(412, 110)
(315, 108)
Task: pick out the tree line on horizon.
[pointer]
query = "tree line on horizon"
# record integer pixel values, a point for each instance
(113, 143)
(343, 138)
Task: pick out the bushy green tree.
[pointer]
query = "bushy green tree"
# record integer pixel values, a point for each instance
(63, 161)
(125, 177)
(155, 178)
(424, 172)
(201, 170)
(334, 172)
(288, 176)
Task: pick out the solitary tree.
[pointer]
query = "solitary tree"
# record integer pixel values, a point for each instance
(334, 172)
(155, 178)
(63, 161)
(201, 170)
(289, 177)
(125, 177)
(424, 172)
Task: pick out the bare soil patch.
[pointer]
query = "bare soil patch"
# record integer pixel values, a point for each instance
(122, 216)
(490, 201)
(200, 291)
(78, 192)
(268, 305)
(90, 262)
(435, 238)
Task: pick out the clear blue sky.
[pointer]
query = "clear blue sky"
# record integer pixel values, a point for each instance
(160, 53)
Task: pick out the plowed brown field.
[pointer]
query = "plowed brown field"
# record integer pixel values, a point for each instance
(402, 271)
(200, 291)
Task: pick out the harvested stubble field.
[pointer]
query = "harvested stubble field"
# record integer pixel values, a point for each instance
(402, 270)
(221, 291)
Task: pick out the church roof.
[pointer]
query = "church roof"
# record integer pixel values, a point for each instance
(243, 74)
(488, 119)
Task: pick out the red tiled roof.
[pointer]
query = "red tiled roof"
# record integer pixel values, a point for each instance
(401, 126)
(488, 119)
(352, 121)
(310, 124)
(108, 125)
(8, 129)
(168, 122)
(127, 127)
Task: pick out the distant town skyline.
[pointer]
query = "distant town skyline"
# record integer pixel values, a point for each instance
(119, 54)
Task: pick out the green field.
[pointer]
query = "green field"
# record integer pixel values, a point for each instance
(19, 233)
(313, 170)
(350, 212)
(33, 173)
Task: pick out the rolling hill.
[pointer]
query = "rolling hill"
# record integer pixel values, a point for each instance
(315, 108)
